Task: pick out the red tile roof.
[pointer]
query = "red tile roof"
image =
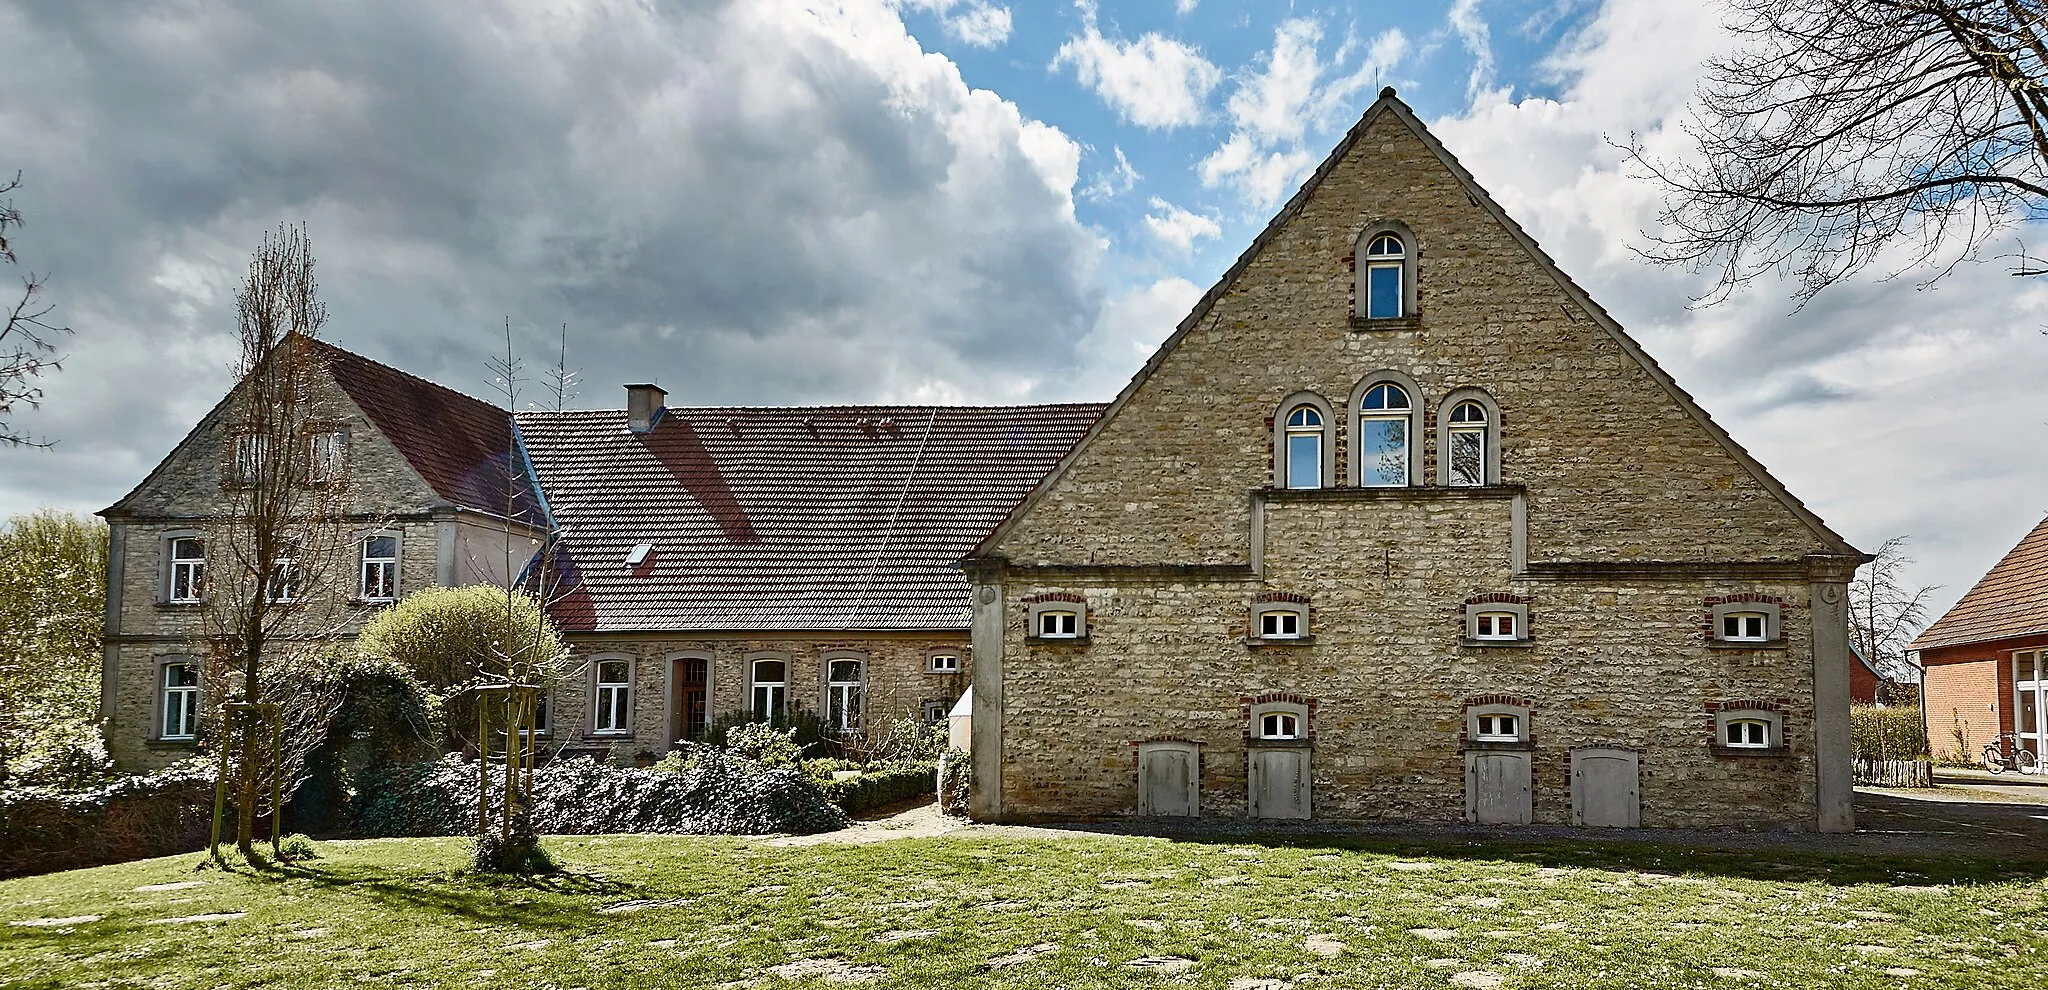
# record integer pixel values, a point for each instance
(461, 446)
(2009, 600)
(796, 518)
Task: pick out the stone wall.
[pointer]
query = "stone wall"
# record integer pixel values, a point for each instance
(898, 680)
(1622, 664)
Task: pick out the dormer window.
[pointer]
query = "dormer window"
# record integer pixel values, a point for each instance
(1385, 273)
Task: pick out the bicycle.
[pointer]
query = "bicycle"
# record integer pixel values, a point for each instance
(2005, 753)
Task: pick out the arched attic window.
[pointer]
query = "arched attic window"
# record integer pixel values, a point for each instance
(1386, 272)
(1468, 440)
(1303, 439)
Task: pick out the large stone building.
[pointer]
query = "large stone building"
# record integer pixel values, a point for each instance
(1398, 524)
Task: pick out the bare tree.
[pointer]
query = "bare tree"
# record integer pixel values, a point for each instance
(1885, 613)
(276, 589)
(26, 350)
(1841, 128)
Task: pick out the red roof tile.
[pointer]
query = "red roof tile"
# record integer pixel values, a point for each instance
(459, 445)
(840, 517)
(2009, 600)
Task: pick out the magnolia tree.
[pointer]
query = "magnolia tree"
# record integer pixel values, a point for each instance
(278, 550)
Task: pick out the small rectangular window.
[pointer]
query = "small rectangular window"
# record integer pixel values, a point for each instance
(1383, 292)
(180, 700)
(1499, 728)
(614, 696)
(1743, 627)
(1058, 625)
(935, 712)
(944, 663)
(1280, 625)
(188, 569)
(251, 451)
(283, 586)
(1749, 733)
(771, 687)
(1496, 625)
(1279, 725)
(380, 569)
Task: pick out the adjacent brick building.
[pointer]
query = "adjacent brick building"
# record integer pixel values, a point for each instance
(1399, 524)
(1986, 659)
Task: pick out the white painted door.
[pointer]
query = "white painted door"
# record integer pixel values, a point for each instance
(1497, 788)
(1169, 780)
(2030, 701)
(1279, 783)
(1606, 791)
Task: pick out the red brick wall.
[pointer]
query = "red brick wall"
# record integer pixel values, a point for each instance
(1862, 683)
(1971, 683)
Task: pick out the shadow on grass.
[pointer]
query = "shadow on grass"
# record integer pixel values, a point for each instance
(546, 900)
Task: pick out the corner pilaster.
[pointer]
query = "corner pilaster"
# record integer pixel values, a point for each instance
(985, 800)
(1828, 578)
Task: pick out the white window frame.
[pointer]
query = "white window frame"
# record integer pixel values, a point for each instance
(778, 690)
(1399, 261)
(1743, 622)
(325, 454)
(1773, 723)
(1488, 716)
(1497, 625)
(935, 712)
(1411, 431)
(1284, 712)
(1476, 610)
(365, 562)
(1260, 610)
(187, 697)
(1279, 725)
(251, 450)
(284, 571)
(942, 663)
(1077, 629)
(852, 694)
(611, 699)
(1773, 627)
(190, 572)
(1488, 432)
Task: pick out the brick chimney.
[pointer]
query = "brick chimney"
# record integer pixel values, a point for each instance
(644, 407)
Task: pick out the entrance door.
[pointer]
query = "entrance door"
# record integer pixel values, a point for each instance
(2030, 700)
(1169, 779)
(1278, 782)
(1605, 789)
(1497, 787)
(688, 712)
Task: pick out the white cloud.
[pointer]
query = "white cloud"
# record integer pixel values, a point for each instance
(1473, 33)
(749, 201)
(1885, 405)
(1178, 228)
(1130, 328)
(1155, 81)
(1119, 179)
(1184, 7)
(972, 22)
(1284, 102)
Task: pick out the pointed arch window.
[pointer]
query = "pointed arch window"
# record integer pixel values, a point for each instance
(1384, 417)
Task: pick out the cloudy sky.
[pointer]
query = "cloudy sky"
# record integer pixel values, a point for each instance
(774, 201)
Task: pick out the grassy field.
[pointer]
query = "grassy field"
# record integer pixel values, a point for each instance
(647, 911)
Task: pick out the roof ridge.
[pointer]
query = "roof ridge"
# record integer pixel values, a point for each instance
(925, 407)
(401, 372)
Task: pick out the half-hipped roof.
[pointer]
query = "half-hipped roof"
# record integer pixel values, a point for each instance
(2009, 600)
(790, 518)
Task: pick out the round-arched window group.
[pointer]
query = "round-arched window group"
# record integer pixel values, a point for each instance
(1385, 420)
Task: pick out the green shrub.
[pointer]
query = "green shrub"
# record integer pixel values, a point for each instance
(882, 783)
(1886, 733)
(812, 736)
(824, 767)
(956, 780)
(43, 829)
(386, 717)
(294, 848)
(764, 744)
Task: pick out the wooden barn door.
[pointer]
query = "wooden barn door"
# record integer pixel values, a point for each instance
(1497, 787)
(1606, 790)
(1169, 779)
(1279, 782)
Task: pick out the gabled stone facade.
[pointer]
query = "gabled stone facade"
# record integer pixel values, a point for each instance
(1609, 517)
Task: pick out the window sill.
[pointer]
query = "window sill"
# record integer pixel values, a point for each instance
(1779, 752)
(1759, 644)
(1283, 641)
(1512, 644)
(372, 602)
(1256, 743)
(604, 736)
(945, 673)
(192, 743)
(175, 606)
(1410, 322)
(1477, 746)
(1048, 640)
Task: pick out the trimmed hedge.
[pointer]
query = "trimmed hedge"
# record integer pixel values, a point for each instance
(1886, 733)
(712, 793)
(883, 783)
(43, 830)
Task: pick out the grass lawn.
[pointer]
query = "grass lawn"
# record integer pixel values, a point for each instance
(646, 911)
